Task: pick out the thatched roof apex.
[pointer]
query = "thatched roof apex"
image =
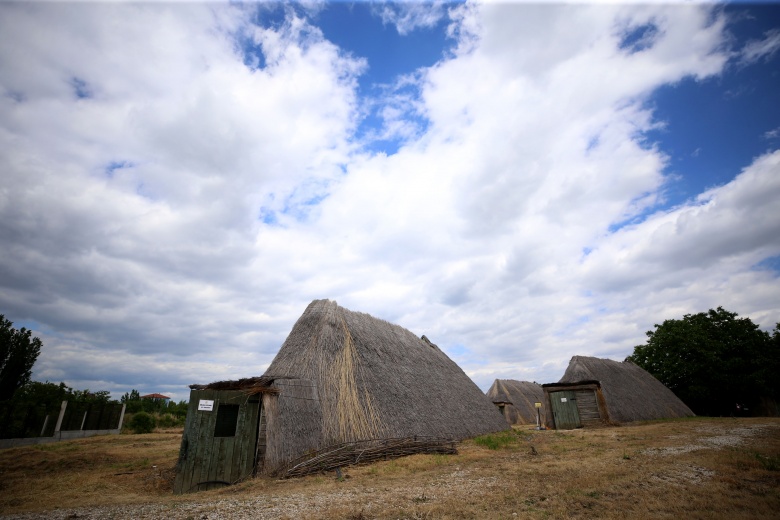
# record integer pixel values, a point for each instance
(376, 379)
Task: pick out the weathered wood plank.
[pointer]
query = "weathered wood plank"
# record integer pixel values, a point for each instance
(185, 464)
(219, 459)
(564, 407)
(588, 408)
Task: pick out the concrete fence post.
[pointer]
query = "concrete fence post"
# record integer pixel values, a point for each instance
(59, 419)
(45, 422)
(122, 417)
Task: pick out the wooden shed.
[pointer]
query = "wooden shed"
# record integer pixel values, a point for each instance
(231, 424)
(341, 379)
(219, 440)
(595, 392)
(576, 405)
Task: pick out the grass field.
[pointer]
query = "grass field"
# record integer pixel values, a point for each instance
(692, 468)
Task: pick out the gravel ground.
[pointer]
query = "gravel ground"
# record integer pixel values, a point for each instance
(715, 438)
(277, 506)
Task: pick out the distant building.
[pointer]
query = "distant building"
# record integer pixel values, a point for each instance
(517, 400)
(156, 397)
(596, 392)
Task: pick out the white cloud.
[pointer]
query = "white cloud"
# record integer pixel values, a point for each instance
(134, 217)
(158, 254)
(756, 50)
(409, 15)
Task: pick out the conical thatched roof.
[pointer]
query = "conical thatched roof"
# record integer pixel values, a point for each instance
(378, 380)
(631, 393)
(519, 397)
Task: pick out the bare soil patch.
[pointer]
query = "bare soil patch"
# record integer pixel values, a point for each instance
(694, 468)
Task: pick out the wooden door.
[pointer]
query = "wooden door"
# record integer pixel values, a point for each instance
(564, 408)
(219, 440)
(588, 408)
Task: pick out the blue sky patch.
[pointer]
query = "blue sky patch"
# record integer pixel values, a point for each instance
(357, 28)
(695, 135)
(769, 264)
(80, 88)
(113, 166)
(639, 38)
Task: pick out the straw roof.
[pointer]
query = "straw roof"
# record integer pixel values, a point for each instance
(631, 393)
(377, 380)
(519, 397)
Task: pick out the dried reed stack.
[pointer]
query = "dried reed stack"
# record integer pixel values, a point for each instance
(630, 392)
(376, 380)
(363, 452)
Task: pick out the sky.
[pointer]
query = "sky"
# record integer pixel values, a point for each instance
(520, 182)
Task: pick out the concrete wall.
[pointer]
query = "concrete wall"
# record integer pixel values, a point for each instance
(62, 435)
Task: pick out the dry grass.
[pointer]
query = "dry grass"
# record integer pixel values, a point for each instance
(692, 468)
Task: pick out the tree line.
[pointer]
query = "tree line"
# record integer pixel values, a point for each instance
(716, 362)
(19, 351)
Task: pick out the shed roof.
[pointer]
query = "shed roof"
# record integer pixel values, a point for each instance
(631, 393)
(154, 396)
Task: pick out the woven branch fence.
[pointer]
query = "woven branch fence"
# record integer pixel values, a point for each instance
(363, 452)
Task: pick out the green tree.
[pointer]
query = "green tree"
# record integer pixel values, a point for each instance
(178, 409)
(88, 396)
(18, 353)
(132, 396)
(133, 401)
(45, 394)
(712, 361)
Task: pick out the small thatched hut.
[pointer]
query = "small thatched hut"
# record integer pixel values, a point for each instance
(517, 400)
(597, 391)
(341, 380)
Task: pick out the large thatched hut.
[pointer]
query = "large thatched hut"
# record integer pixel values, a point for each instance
(517, 400)
(343, 382)
(596, 391)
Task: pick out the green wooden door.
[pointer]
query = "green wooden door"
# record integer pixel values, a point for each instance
(219, 440)
(564, 408)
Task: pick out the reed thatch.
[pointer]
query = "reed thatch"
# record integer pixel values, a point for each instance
(630, 392)
(373, 380)
(293, 423)
(518, 399)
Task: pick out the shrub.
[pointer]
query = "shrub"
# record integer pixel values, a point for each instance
(142, 422)
(169, 421)
(494, 441)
